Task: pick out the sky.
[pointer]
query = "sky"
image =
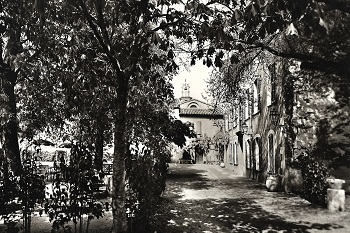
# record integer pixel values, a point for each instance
(195, 77)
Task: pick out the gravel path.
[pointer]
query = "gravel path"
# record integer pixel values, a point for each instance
(207, 198)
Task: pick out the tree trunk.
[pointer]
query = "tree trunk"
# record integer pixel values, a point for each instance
(9, 79)
(120, 149)
(11, 146)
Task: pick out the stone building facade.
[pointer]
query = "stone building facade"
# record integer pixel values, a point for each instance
(207, 122)
(255, 127)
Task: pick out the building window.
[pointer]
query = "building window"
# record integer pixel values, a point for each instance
(256, 150)
(247, 154)
(199, 128)
(230, 120)
(243, 101)
(231, 154)
(256, 105)
(273, 77)
(241, 116)
(192, 105)
(254, 96)
(271, 158)
(235, 156)
(246, 104)
(236, 119)
(250, 101)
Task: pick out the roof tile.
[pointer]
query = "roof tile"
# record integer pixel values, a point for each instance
(197, 111)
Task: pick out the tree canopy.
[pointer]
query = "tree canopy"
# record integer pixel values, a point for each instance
(309, 35)
(100, 65)
(106, 65)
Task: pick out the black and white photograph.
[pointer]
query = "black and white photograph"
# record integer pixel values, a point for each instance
(174, 116)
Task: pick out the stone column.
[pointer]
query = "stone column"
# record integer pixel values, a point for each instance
(335, 195)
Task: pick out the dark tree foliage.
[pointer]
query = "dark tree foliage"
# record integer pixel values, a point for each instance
(86, 63)
(239, 26)
(75, 190)
(151, 130)
(146, 174)
(232, 34)
(176, 130)
(314, 172)
(99, 63)
(106, 66)
(312, 32)
(22, 193)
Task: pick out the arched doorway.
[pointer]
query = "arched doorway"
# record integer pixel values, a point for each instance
(199, 153)
(186, 155)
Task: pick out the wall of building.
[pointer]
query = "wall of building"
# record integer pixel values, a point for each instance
(202, 126)
(205, 128)
(265, 141)
(205, 123)
(260, 150)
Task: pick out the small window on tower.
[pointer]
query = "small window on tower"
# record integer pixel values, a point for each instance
(193, 106)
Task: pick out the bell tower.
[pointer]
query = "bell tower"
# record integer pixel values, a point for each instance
(185, 91)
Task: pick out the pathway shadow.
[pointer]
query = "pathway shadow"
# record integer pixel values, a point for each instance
(228, 215)
(249, 207)
(186, 175)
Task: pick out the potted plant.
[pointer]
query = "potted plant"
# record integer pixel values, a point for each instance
(273, 182)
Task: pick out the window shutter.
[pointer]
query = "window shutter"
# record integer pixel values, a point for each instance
(199, 127)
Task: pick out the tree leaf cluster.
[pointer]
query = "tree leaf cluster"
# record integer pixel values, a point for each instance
(238, 27)
(75, 189)
(21, 193)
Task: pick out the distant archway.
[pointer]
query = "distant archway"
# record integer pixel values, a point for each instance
(186, 155)
(199, 153)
